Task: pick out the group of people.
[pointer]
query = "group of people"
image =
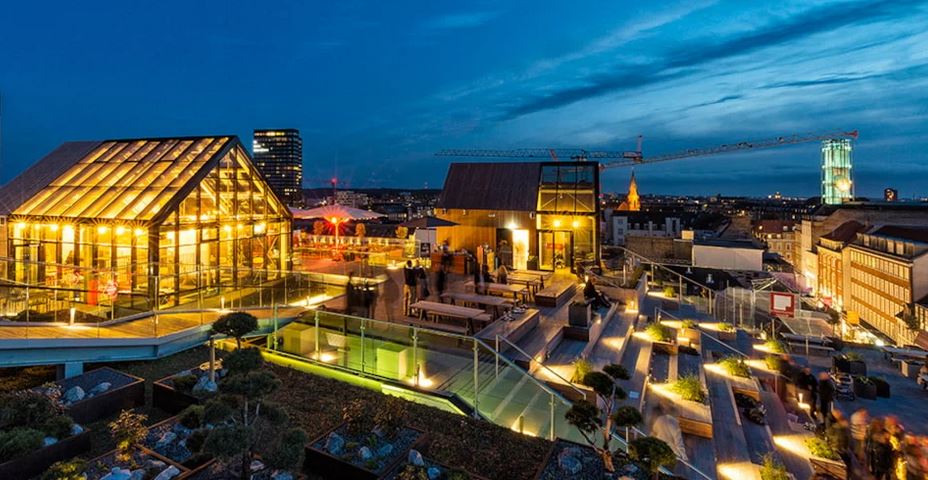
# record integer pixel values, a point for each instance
(818, 393)
(878, 446)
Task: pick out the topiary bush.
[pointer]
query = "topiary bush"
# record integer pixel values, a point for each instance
(236, 325)
(191, 417)
(184, 382)
(688, 387)
(19, 441)
(652, 453)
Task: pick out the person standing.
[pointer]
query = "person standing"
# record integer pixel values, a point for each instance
(826, 395)
(423, 279)
(441, 280)
(859, 421)
(410, 286)
(839, 434)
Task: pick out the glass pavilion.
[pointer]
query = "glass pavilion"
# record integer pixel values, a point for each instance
(149, 223)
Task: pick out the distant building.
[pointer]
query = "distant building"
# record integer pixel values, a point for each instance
(632, 202)
(278, 156)
(890, 195)
(888, 273)
(727, 254)
(352, 199)
(778, 236)
(834, 263)
(837, 186)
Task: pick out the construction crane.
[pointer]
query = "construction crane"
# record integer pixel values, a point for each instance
(626, 159)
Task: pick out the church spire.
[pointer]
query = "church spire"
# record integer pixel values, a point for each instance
(634, 202)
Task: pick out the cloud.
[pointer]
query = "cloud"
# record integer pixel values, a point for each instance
(901, 74)
(683, 62)
(457, 21)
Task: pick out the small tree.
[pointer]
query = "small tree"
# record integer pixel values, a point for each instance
(360, 230)
(247, 424)
(318, 227)
(652, 453)
(402, 232)
(588, 418)
(128, 431)
(237, 325)
(627, 416)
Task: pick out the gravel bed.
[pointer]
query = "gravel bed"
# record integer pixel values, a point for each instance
(175, 450)
(402, 442)
(591, 465)
(93, 378)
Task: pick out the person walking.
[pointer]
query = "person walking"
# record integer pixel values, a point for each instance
(859, 421)
(826, 396)
(410, 286)
(809, 388)
(441, 280)
(879, 452)
(839, 434)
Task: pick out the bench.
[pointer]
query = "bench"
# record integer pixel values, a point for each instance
(556, 294)
(445, 327)
(695, 427)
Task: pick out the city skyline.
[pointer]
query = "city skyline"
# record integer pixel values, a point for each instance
(376, 90)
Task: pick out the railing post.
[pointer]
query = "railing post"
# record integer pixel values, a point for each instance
(496, 357)
(415, 352)
(316, 319)
(551, 435)
(363, 349)
(476, 380)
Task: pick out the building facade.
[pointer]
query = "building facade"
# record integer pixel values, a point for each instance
(278, 155)
(888, 273)
(779, 237)
(143, 224)
(837, 185)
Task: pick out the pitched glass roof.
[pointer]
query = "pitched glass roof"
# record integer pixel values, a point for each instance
(124, 180)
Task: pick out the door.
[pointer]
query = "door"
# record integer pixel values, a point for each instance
(555, 250)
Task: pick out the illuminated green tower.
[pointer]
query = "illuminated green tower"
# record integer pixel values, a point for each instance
(837, 186)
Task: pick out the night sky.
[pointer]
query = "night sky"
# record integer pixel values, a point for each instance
(377, 87)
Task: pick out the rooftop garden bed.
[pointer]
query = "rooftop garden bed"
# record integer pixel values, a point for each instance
(420, 467)
(97, 394)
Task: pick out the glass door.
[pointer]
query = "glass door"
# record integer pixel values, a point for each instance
(555, 250)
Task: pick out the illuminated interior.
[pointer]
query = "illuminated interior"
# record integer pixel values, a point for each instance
(567, 213)
(151, 223)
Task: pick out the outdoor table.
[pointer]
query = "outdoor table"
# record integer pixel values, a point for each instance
(482, 300)
(530, 281)
(470, 315)
(542, 275)
(502, 289)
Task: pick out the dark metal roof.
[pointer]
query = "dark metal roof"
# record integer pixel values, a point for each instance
(492, 186)
(845, 232)
(42, 173)
(916, 234)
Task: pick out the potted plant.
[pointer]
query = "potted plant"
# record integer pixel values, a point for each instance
(825, 458)
(589, 419)
(689, 329)
(735, 367)
(128, 431)
(688, 387)
(882, 386)
(130, 459)
(662, 338)
(367, 444)
(864, 388)
(247, 425)
(772, 469)
(652, 453)
(854, 363)
(726, 332)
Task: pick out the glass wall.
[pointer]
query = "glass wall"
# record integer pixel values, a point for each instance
(568, 208)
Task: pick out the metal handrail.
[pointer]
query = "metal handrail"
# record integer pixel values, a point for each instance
(531, 359)
(542, 385)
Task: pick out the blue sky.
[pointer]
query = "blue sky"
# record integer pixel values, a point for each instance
(377, 87)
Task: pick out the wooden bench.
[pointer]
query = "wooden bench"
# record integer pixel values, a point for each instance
(695, 427)
(556, 294)
(445, 327)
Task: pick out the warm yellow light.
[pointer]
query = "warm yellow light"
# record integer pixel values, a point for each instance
(738, 471)
(139, 232)
(575, 224)
(259, 227)
(843, 184)
(512, 226)
(556, 223)
(334, 220)
(102, 229)
(20, 226)
(53, 227)
(120, 230)
(239, 226)
(227, 228)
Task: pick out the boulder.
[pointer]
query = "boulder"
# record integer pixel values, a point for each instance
(153, 464)
(74, 394)
(365, 453)
(100, 388)
(281, 475)
(138, 474)
(76, 429)
(181, 430)
(568, 462)
(117, 474)
(204, 387)
(166, 439)
(334, 444)
(434, 473)
(256, 466)
(49, 441)
(415, 458)
(168, 473)
(385, 450)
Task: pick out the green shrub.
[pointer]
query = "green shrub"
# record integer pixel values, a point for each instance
(66, 470)
(357, 417)
(774, 362)
(853, 356)
(58, 426)
(391, 415)
(726, 327)
(688, 387)
(775, 346)
(19, 441)
(184, 382)
(191, 417)
(627, 416)
(689, 323)
(651, 453)
(773, 469)
(735, 367)
(820, 447)
(582, 367)
(128, 431)
(659, 333)
(670, 292)
(196, 439)
(26, 409)
(236, 325)
(289, 453)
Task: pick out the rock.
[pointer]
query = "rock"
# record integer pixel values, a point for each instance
(334, 444)
(117, 474)
(76, 429)
(152, 464)
(378, 431)
(434, 473)
(415, 458)
(256, 466)
(138, 474)
(281, 475)
(181, 430)
(569, 464)
(74, 394)
(204, 386)
(166, 439)
(168, 473)
(49, 441)
(365, 453)
(100, 388)
(385, 450)
(630, 469)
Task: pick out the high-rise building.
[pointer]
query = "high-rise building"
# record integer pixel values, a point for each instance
(278, 155)
(837, 186)
(890, 195)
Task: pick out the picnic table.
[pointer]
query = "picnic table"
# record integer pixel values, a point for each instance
(503, 289)
(485, 301)
(542, 275)
(472, 317)
(531, 281)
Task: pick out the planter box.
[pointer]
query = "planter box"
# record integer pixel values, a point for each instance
(865, 390)
(579, 314)
(129, 395)
(170, 399)
(666, 347)
(397, 469)
(829, 468)
(590, 469)
(727, 336)
(188, 463)
(36, 462)
(184, 471)
(692, 334)
(857, 367)
(319, 460)
(882, 388)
